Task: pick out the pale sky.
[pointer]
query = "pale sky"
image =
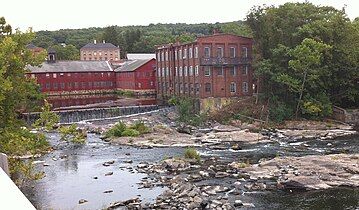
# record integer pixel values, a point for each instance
(61, 14)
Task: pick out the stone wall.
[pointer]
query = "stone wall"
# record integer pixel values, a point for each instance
(348, 116)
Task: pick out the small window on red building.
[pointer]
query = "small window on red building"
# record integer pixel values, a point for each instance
(207, 87)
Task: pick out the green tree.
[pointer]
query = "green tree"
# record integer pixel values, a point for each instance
(67, 52)
(111, 35)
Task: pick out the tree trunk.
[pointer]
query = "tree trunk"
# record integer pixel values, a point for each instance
(301, 95)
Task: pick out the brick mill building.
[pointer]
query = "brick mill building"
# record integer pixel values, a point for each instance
(99, 52)
(214, 66)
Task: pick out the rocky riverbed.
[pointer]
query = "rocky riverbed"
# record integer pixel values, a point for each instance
(240, 167)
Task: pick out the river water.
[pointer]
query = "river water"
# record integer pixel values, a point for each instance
(72, 178)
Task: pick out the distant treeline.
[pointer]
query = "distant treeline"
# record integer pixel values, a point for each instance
(136, 39)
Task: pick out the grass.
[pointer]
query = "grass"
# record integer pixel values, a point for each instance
(72, 134)
(191, 153)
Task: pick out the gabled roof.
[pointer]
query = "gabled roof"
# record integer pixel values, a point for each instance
(71, 66)
(99, 46)
(132, 65)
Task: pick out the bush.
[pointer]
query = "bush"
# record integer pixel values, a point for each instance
(120, 129)
(188, 113)
(72, 134)
(130, 132)
(191, 153)
(140, 127)
(173, 101)
(279, 112)
(125, 93)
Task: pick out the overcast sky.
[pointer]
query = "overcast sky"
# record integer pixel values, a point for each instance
(60, 14)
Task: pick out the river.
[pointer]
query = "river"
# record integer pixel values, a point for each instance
(72, 178)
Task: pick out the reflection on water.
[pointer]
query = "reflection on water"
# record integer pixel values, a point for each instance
(72, 178)
(98, 100)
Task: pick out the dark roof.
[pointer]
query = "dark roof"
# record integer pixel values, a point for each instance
(99, 46)
(72, 66)
(132, 65)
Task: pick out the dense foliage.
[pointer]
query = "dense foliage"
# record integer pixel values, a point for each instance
(307, 58)
(136, 39)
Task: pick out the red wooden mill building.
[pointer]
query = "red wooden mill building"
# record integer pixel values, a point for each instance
(214, 66)
(80, 77)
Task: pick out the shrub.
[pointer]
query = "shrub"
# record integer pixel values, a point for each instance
(72, 134)
(279, 112)
(191, 153)
(173, 101)
(120, 129)
(188, 113)
(130, 132)
(140, 127)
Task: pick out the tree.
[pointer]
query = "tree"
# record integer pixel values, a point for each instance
(110, 35)
(290, 40)
(67, 52)
(17, 92)
(237, 29)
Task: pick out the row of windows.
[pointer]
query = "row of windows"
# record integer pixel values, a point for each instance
(132, 84)
(190, 53)
(194, 88)
(220, 52)
(55, 75)
(76, 85)
(207, 71)
(100, 58)
(99, 53)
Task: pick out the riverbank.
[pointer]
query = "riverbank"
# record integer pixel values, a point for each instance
(166, 132)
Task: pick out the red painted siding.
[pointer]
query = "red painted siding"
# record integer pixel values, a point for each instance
(143, 78)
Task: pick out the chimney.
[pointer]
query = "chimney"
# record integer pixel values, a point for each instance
(94, 41)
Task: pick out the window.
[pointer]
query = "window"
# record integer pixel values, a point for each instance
(220, 71)
(159, 72)
(244, 52)
(151, 83)
(184, 53)
(89, 84)
(190, 71)
(180, 71)
(47, 85)
(207, 52)
(180, 54)
(190, 88)
(185, 87)
(245, 70)
(166, 56)
(207, 71)
(167, 71)
(196, 70)
(245, 87)
(181, 88)
(185, 71)
(139, 85)
(196, 52)
(55, 85)
(163, 72)
(62, 85)
(233, 87)
(162, 56)
(61, 74)
(54, 75)
(159, 56)
(219, 52)
(232, 52)
(47, 75)
(207, 87)
(233, 71)
(196, 87)
(175, 54)
(176, 71)
(190, 52)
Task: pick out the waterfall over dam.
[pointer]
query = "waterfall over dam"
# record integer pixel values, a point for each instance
(77, 115)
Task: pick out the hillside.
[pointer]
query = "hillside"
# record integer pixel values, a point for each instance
(135, 38)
